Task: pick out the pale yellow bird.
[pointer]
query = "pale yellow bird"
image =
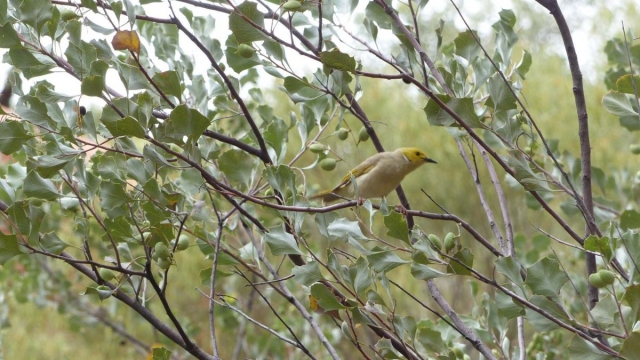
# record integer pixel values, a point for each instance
(378, 175)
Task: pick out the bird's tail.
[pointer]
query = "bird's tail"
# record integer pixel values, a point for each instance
(326, 196)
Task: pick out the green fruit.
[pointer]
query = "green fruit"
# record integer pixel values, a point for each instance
(223, 67)
(343, 134)
(328, 164)
(458, 353)
(246, 51)
(162, 250)
(288, 193)
(324, 119)
(269, 192)
(292, 5)
(66, 15)
(607, 276)
(596, 280)
(154, 256)
(316, 148)
(300, 190)
(363, 135)
(183, 243)
(435, 241)
(106, 274)
(449, 242)
(164, 263)
(635, 148)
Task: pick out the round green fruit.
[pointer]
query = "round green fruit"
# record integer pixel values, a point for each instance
(596, 280)
(162, 250)
(435, 241)
(449, 242)
(183, 243)
(363, 135)
(292, 5)
(324, 119)
(66, 15)
(635, 148)
(164, 263)
(106, 274)
(316, 148)
(246, 51)
(607, 276)
(328, 164)
(343, 134)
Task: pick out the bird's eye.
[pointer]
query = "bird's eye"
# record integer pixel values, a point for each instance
(418, 153)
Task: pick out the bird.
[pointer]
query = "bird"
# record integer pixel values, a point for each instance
(377, 176)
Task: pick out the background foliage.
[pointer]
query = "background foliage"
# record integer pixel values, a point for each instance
(161, 156)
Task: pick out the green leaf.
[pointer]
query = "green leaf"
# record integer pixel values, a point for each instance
(51, 243)
(112, 195)
(541, 323)
(92, 85)
(429, 336)
(630, 219)
(9, 248)
(619, 104)
(360, 276)
(338, 60)
(35, 13)
(243, 30)
(466, 45)
(500, 96)
(307, 274)
(185, 122)
(326, 300)
(205, 274)
(12, 136)
(169, 83)
(507, 307)
(463, 107)
(529, 179)
(524, 65)
(584, 350)
(385, 261)
(281, 178)
(600, 245)
(102, 292)
(127, 126)
(90, 4)
(237, 166)
(509, 267)
(464, 256)
(8, 37)
(546, 278)
(33, 110)
(48, 166)
(342, 229)
(160, 353)
(424, 272)
(281, 242)
(299, 90)
(625, 84)
(37, 187)
(631, 346)
(49, 96)
(397, 226)
(375, 13)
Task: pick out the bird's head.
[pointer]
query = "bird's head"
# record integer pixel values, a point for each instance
(415, 156)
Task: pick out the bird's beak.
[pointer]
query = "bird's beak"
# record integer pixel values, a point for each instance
(430, 160)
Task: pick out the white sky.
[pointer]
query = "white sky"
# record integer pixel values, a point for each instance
(589, 48)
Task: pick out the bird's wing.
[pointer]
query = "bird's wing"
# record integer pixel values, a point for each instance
(357, 171)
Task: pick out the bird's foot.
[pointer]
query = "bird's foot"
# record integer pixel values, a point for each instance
(401, 209)
(360, 201)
